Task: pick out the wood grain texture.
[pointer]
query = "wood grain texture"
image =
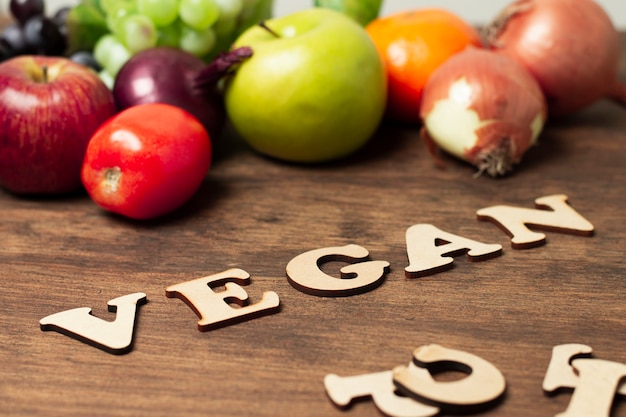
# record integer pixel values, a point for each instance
(257, 214)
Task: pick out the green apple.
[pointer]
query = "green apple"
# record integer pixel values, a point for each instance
(314, 89)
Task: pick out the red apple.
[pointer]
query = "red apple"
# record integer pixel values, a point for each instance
(49, 108)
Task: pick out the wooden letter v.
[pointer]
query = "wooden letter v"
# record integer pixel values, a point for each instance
(111, 336)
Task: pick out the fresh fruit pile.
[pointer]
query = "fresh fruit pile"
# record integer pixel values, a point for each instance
(44, 145)
(308, 87)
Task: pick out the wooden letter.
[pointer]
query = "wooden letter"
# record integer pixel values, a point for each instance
(111, 336)
(560, 373)
(595, 391)
(551, 213)
(304, 273)
(594, 381)
(429, 250)
(483, 385)
(379, 385)
(213, 307)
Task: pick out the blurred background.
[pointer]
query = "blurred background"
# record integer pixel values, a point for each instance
(476, 12)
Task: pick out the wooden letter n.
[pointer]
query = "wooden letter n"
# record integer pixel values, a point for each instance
(551, 213)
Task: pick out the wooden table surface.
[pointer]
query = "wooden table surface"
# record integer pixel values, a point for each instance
(257, 214)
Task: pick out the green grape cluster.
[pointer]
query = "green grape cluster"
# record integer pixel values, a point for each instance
(201, 27)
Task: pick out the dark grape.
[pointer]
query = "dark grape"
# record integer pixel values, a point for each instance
(5, 53)
(13, 40)
(44, 36)
(23, 10)
(60, 19)
(85, 58)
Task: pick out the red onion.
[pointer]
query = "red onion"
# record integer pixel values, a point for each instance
(484, 108)
(172, 76)
(570, 46)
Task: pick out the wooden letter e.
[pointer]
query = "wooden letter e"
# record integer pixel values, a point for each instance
(213, 307)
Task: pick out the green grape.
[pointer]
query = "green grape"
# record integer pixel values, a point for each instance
(229, 9)
(224, 28)
(107, 5)
(107, 78)
(201, 27)
(161, 12)
(138, 33)
(363, 11)
(169, 35)
(196, 42)
(111, 54)
(254, 11)
(102, 47)
(119, 56)
(198, 14)
(118, 13)
(227, 22)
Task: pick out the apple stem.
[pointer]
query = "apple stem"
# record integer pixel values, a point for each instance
(44, 75)
(264, 26)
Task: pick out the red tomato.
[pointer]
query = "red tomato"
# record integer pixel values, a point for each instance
(146, 161)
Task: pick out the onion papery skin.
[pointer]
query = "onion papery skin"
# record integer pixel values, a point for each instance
(570, 46)
(484, 108)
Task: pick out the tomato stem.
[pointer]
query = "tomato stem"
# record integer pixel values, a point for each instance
(112, 177)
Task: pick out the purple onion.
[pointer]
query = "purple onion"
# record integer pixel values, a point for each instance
(172, 76)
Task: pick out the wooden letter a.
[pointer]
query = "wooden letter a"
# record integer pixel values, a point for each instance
(430, 250)
(559, 216)
(111, 336)
(213, 307)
